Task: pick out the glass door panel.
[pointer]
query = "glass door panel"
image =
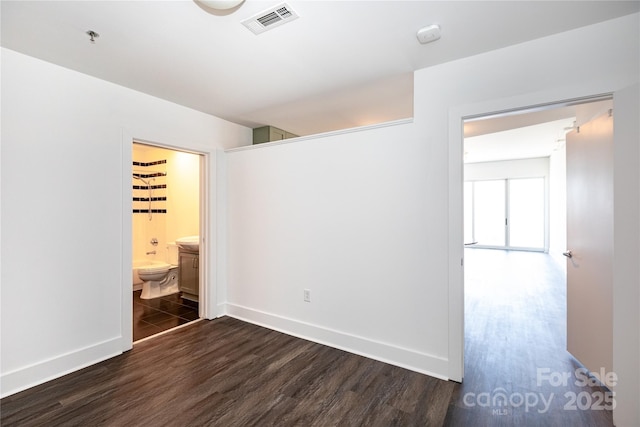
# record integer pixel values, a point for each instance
(526, 213)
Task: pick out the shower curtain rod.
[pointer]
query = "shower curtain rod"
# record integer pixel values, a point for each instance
(150, 189)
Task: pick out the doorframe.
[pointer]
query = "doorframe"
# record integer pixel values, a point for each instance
(457, 116)
(208, 230)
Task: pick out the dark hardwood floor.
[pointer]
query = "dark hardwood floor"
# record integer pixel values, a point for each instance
(230, 373)
(515, 346)
(227, 372)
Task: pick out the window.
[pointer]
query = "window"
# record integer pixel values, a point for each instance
(505, 213)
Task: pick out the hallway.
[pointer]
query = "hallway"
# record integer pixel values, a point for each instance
(515, 346)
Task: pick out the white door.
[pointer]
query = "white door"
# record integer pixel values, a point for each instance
(590, 243)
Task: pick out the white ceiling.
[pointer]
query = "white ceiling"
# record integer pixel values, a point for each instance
(529, 133)
(538, 140)
(341, 64)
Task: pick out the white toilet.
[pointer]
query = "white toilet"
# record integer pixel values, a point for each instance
(158, 280)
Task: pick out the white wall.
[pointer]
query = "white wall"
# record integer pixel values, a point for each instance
(183, 195)
(64, 207)
(626, 268)
(372, 222)
(343, 216)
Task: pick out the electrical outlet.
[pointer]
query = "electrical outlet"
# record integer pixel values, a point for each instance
(307, 295)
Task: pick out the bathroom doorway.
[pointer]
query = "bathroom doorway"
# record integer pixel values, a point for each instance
(166, 227)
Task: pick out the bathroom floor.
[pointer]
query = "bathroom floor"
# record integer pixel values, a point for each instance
(152, 316)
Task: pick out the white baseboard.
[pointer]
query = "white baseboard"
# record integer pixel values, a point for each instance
(405, 358)
(29, 376)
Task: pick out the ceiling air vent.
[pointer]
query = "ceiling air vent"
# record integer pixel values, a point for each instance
(270, 18)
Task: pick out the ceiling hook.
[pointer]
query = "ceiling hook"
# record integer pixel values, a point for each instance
(93, 36)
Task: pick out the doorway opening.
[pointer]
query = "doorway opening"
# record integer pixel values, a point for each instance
(167, 223)
(515, 303)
